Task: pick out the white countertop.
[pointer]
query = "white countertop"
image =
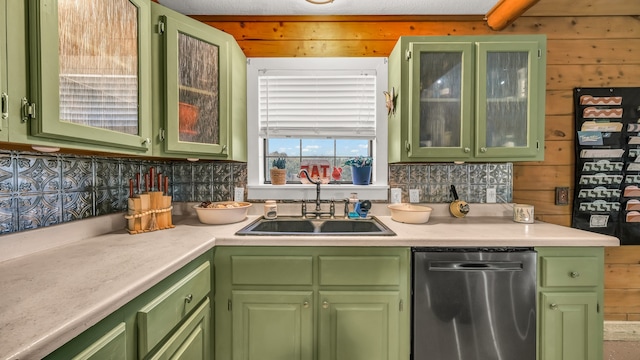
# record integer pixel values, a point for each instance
(58, 281)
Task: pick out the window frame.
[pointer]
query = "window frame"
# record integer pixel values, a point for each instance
(258, 190)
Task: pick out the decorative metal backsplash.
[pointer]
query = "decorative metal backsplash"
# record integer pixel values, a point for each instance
(435, 180)
(39, 190)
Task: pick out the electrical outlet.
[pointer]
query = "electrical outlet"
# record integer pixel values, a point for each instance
(491, 195)
(238, 194)
(414, 195)
(562, 196)
(396, 195)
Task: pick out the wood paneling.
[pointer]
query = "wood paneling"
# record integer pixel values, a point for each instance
(584, 8)
(590, 43)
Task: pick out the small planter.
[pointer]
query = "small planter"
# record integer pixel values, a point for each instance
(361, 175)
(278, 176)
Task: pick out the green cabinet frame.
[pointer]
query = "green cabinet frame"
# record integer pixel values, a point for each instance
(404, 79)
(4, 90)
(43, 103)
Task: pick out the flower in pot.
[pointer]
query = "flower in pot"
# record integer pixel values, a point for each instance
(360, 169)
(278, 172)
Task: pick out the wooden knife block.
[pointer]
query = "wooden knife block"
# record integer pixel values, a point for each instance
(149, 212)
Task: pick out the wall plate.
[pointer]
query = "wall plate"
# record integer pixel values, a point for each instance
(414, 195)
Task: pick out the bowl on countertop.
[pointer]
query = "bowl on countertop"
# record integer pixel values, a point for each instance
(410, 213)
(222, 212)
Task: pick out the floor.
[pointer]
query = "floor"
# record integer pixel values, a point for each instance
(621, 350)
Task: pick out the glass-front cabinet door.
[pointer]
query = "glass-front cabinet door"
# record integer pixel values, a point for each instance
(440, 105)
(194, 72)
(507, 100)
(91, 81)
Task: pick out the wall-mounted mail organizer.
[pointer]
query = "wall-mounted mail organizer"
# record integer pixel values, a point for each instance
(607, 176)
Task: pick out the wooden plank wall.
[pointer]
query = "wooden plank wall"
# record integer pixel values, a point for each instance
(591, 43)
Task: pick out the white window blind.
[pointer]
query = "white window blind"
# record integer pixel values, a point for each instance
(325, 104)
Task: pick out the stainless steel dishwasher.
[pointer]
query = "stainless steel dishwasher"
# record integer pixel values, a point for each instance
(474, 304)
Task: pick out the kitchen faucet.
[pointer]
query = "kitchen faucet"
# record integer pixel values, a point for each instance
(318, 211)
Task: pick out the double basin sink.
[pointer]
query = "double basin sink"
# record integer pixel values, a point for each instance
(289, 226)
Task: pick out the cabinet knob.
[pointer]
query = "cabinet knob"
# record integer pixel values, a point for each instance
(467, 150)
(325, 304)
(553, 306)
(574, 274)
(146, 142)
(483, 149)
(188, 298)
(305, 304)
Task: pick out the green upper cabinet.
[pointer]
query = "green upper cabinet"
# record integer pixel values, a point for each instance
(4, 90)
(90, 82)
(199, 114)
(468, 98)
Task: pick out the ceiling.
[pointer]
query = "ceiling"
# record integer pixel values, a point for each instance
(337, 7)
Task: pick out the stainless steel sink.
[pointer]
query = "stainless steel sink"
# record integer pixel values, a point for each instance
(296, 226)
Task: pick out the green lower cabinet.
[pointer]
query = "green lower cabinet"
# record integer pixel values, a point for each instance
(171, 320)
(569, 321)
(570, 318)
(192, 340)
(272, 325)
(359, 325)
(312, 303)
(113, 345)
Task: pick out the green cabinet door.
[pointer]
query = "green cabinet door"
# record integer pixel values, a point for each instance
(196, 69)
(569, 321)
(111, 346)
(90, 79)
(359, 325)
(272, 325)
(509, 100)
(192, 340)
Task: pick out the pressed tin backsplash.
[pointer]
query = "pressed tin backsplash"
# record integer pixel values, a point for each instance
(39, 190)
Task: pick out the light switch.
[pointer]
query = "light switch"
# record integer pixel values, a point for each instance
(414, 195)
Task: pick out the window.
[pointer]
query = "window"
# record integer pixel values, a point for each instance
(316, 110)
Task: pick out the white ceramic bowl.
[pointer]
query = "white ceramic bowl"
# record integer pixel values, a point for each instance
(222, 212)
(409, 213)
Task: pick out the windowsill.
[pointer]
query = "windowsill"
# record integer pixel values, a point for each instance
(308, 192)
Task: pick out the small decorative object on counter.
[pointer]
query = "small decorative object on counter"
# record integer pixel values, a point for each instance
(523, 213)
(278, 172)
(270, 209)
(151, 210)
(410, 213)
(222, 212)
(360, 169)
(458, 208)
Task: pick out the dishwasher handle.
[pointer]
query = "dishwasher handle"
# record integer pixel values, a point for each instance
(475, 266)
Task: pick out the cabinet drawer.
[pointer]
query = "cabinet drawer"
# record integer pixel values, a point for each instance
(161, 315)
(570, 271)
(359, 270)
(271, 270)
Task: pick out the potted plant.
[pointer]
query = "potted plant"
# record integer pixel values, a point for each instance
(360, 169)
(278, 172)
